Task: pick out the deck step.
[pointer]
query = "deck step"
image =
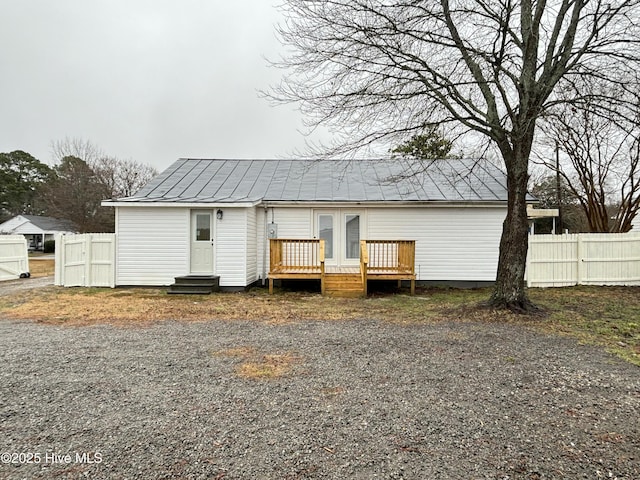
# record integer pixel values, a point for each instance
(195, 285)
(343, 285)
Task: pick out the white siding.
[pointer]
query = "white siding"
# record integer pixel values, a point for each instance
(293, 222)
(252, 247)
(152, 245)
(452, 243)
(231, 248)
(262, 250)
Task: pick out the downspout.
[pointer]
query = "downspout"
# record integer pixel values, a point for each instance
(264, 246)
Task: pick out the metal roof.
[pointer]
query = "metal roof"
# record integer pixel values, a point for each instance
(391, 180)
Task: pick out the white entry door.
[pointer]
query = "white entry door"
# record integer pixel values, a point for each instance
(341, 230)
(202, 242)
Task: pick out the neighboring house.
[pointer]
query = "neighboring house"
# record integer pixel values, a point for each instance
(635, 224)
(216, 217)
(36, 229)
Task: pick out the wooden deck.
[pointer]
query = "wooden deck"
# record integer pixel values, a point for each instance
(298, 259)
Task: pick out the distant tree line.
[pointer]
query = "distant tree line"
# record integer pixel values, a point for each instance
(73, 189)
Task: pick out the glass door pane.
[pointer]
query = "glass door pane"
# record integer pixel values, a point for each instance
(352, 236)
(203, 227)
(325, 232)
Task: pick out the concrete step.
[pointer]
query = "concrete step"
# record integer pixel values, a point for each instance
(195, 285)
(213, 280)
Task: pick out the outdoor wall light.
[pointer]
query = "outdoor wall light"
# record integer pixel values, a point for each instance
(219, 214)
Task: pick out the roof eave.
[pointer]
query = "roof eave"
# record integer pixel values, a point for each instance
(167, 204)
(386, 203)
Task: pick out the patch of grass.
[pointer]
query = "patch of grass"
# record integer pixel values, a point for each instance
(607, 316)
(260, 366)
(268, 367)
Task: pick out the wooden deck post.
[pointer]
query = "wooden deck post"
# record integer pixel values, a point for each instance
(364, 263)
(321, 259)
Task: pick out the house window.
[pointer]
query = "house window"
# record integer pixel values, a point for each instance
(352, 236)
(325, 230)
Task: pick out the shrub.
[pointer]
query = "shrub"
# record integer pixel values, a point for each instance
(50, 246)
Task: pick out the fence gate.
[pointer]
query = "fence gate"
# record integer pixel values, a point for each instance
(14, 258)
(86, 260)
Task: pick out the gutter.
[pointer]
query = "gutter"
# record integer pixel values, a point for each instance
(115, 203)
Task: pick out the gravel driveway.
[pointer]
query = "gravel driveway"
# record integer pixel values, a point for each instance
(14, 286)
(364, 400)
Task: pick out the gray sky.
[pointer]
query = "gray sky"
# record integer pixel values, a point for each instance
(148, 80)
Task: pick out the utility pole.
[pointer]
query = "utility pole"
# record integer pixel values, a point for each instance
(560, 226)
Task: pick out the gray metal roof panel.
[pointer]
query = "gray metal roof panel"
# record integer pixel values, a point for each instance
(395, 180)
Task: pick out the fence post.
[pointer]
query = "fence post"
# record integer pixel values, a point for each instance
(58, 278)
(87, 282)
(579, 255)
(112, 282)
(527, 268)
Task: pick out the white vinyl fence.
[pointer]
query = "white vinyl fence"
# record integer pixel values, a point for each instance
(583, 259)
(86, 260)
(14, 257)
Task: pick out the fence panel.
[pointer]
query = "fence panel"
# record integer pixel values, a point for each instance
(583, 259)
(86, 260)
(610, 259)
(14, 257)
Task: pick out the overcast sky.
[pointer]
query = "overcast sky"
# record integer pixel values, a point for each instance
(148, 80)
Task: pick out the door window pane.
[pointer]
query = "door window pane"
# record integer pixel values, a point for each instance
(325, 232)
(203, 227)
(352, 236)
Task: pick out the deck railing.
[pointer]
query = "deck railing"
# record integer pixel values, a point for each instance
(392, 256)
(305, 258)
(303, 255)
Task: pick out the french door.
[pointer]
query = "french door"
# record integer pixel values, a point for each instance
(341, 230)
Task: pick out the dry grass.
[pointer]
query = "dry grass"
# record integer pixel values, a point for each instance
(608, 316)
(86, 306)
(260, 366)
(44, 267)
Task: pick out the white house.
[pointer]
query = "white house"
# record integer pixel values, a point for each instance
(36, 229)
(216, 217)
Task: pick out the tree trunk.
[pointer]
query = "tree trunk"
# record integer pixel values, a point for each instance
(509, 291)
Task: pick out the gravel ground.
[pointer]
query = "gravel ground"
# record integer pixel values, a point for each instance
(14, 286)
(364, 400)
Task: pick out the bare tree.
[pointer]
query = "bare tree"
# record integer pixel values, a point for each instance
(375, 71)
(602, 170)
(85, 177)
(76, 147)
(122, 178)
